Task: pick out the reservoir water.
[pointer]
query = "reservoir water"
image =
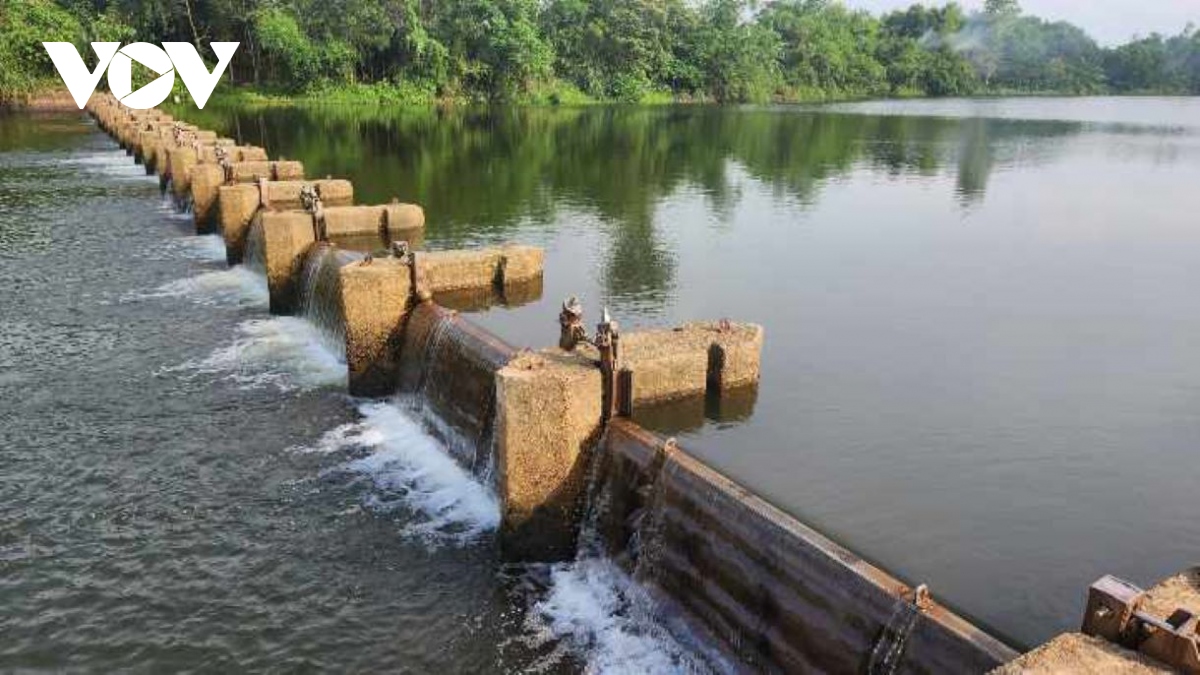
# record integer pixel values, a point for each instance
(982, 371)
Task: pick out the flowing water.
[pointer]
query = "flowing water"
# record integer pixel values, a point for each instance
(980, 368)
(186, 485)
(979, 372)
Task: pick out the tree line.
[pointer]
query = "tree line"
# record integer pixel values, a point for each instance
(622, 50)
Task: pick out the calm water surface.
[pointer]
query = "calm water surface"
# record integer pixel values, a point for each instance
(982, 371)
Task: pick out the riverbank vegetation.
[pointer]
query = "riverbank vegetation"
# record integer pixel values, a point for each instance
(579, 51)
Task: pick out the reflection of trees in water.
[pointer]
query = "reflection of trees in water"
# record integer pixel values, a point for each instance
(480, 173)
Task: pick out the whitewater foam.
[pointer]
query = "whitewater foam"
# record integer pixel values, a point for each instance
(609, 620)
(235, 286)
(411, 470)
(282, 352)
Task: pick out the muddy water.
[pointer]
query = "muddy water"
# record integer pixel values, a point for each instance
(186, 487)
(981, 365)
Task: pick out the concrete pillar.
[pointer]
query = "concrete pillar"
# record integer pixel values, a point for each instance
(548, 412)
(375, 301)
(182, 161)
(206, 184)
(236, 206)
(287, 236)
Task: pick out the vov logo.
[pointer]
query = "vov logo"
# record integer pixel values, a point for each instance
(179, 57)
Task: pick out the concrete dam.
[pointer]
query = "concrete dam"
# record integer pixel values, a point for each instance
(551, 431)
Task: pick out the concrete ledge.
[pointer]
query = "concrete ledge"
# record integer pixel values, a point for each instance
(777, 593)
(206, 182)
(287, 236)
(355, 220)
(447, 271)
(375, 301)
(548, 411)
(182, 159)
(253, 170)
(238, 204)
(1077, 654)
(402, 219)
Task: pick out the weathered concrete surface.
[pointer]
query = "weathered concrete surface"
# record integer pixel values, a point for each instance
(236, 207)
(447, 271)
(1181, 591)
(181, 160)
(696, 358)
(375, 301)
(238, 204)
(394, 220)
(548, 412)
(402, 220)
(208, 176)
(778, 594)
(251, 171)
(235, 153)
(1076, 654)
(287, 236)
(206, 181)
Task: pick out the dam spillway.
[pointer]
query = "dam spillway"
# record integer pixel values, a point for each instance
(580, 367)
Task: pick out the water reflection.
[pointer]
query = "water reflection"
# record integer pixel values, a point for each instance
(481, 174)
(977, 361)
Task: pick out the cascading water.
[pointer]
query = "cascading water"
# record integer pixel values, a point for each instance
(320, 293)
(255, 258)
(889, 647)
(447, 376)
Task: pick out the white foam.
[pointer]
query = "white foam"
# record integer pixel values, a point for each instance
(411, 469)
(608, 619)
(234, 286)
(113, 164)
(203, 247)
(282, 352)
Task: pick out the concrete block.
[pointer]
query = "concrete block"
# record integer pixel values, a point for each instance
(375, 302)
(401, 219)
(690, 360)
(236, 206)
(250, 170)
(182, 160)
(206, 184)
(250, 153)
(287, 170)
(456, 270)
(286, 194)
(520, 264)
(548, 412)
(287, 236)
(354, 220)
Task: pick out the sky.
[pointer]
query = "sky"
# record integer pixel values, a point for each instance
(1110, 22)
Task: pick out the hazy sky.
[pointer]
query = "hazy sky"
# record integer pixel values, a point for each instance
(1109, 21)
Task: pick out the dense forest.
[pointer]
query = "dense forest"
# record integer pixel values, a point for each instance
(567, 51)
